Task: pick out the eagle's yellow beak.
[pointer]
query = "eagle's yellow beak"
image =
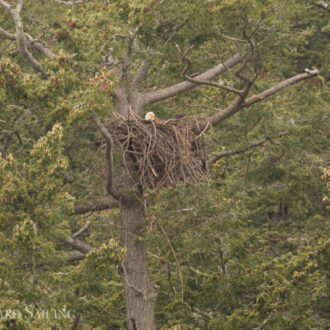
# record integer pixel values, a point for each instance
(150, 116)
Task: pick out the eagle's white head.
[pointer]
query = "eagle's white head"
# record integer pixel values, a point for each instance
(150, 116)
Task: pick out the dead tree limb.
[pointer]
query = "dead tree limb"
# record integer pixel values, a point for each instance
(252, 145)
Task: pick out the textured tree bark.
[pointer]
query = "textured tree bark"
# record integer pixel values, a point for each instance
(139, 291)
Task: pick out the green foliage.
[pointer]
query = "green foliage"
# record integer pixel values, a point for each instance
(248, 249)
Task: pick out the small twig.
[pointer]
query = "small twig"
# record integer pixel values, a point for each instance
(170, 281)
(71, 3)
(201, 81)
(175, 257)
(229, 37)
(241, 150)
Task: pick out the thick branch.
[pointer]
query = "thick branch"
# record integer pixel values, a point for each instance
(98, 204)
(6, 5)
(239, 104)
(184, 86)
(79, 245)
(75, 256)
(241, 150)
(109, 143)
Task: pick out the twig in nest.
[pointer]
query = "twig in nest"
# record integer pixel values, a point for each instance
(159, 153)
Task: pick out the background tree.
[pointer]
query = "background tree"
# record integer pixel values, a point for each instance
(262, 209)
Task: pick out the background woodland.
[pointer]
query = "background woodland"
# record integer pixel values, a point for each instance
(248, 248)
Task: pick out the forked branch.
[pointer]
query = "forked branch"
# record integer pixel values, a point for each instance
(239, 104)
(185, 86)
(30, 42)
(20, 35)
(205, 82)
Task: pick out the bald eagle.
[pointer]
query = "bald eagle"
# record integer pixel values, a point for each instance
(150, 116)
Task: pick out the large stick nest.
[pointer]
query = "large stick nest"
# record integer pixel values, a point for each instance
(159, 153)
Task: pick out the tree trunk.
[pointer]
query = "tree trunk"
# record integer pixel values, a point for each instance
(139, 291)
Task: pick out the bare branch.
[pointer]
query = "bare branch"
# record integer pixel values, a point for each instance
(239, 104)
(19, 6)
(7, 35)
(71, 3)
(98, 204)
(30, 43)
(241, 150)
(109, 143)
(81, 230)
(6, 5)
(20, 36)
(281, 85)
(36, 44)
(322, 5)
(184, 86)
(229, 37)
